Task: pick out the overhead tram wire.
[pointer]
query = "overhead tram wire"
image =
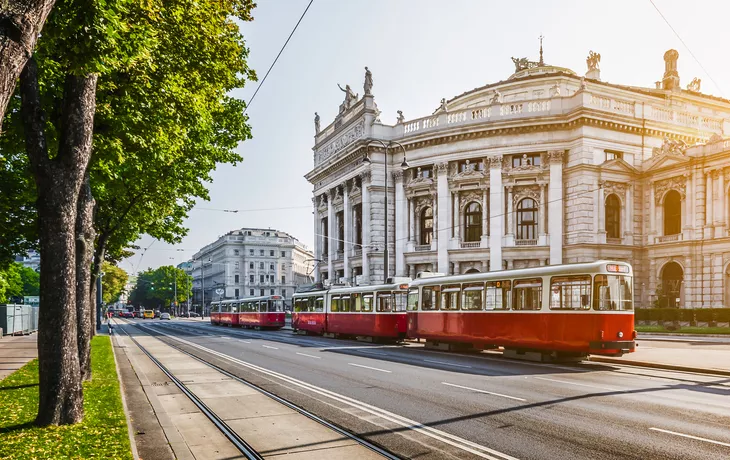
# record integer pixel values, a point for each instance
(687, 47)
(250, 101)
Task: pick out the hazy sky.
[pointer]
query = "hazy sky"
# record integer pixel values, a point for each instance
(419, 51)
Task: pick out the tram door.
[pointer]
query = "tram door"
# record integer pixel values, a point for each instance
(412, 309)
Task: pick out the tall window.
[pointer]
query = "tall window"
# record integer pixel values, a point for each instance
(250, 265)
(250, 279)
(261, 265)
(357, 212)
(613, 216)
(473, 222)
(527, 219)
(250, 292)
(236, 279)
(426, 225)
(672, 213)
(271, 253)
(237, 293)
(325, 236)
(341, 231)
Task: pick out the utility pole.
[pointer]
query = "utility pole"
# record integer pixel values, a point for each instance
(98, 301)
(176, 308)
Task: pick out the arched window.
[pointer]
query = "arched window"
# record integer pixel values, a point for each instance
(613, 216)
(672, 213)
(473, 222)
(527, 219)
(357, 227)
(472, 270)
(426, 226)
(671, 286)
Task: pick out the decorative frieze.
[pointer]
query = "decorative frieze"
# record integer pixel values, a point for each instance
(441, 168)
(337, 145)
(398, 176)
(467, 197)
(678, 183)
(365, 176)
(555, 156)
(525, 191)
(617, 188)
(495, 162)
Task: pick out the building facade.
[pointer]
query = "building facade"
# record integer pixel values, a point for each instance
(545, 167)
(249, 262)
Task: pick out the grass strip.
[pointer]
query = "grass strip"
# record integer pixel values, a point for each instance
(102, 434)
(685, 330)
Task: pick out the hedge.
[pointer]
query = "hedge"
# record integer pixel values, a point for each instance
(705, 315)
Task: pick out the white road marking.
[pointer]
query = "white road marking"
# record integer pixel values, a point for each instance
(578, 384)
(224, 337)
(310, 356)
(691, 437)
(484, 391)
(244, 341)
(266, 346)
(368, 367)
(445, 363)
(448, 438)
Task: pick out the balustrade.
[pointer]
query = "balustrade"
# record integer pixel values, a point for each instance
(668, 238)
(456, 117)
(430, 122)
(525, 242)
(422, 247)
(469, 245)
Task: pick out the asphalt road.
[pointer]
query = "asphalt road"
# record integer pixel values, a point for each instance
(427, 404)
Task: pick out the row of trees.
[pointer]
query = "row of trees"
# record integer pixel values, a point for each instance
(17, 281)
(144, 86)
(157, 288)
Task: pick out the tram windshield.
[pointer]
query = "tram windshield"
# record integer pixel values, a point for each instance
(612, 293)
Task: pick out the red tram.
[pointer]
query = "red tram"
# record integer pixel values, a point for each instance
(261, 312)
(553, 311)
(377, 312)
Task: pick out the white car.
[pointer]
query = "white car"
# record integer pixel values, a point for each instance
(165, 316)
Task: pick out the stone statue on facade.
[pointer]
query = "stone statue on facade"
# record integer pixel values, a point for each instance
(316, 123)
(401, 118)
(368, 85)
(694, 85)
(670, 146)
(443, 107)
(350, 97)
(593, 60)
(582, 84)
(555, 90)
(496, 98)
(520, 63)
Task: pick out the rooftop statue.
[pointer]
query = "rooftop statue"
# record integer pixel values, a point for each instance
(368, 86)
(443, 107)
(694, 85)
(316, 123)
(593, 60)
(401, 118)
(520, 63)
(350, 97)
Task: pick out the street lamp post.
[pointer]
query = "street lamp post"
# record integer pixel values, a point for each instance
(404, 165)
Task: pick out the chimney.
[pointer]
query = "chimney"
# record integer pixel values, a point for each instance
(670, 80)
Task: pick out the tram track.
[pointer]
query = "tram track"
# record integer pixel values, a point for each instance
(237, 440)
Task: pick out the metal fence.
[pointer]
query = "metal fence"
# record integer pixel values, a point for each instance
(18, 319)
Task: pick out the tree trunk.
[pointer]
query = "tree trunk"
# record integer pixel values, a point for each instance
(84, 252)
(21, 22)
(58, 181)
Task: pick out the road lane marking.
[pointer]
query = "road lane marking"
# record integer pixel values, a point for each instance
(244, 341)
(368, 367)
(578, 384)
(406, 423)
(445, 363)
(484, 391)
(691, 437)
(267, 346)
(310, 356)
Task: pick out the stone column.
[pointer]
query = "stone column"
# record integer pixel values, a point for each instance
(317, 243)
(555, 206)
(347, 217)
(496, 213)
(365, 176)
(484, 241)
(444, 222)
(601, 211)
(457, 268)
(456, 212)
(688, 221)
(719, 204)
(401, 223)
(331, 231)
(411, 221)
(629, 215)
(542, 239)
(652, 214)
(510, 218)
(709, 205)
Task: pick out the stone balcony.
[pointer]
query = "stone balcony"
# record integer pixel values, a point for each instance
(668, 238)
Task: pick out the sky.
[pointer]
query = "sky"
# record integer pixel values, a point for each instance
(419, 51)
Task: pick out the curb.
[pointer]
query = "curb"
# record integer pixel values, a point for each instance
(680, 334)
(671, 367)
(130, 432)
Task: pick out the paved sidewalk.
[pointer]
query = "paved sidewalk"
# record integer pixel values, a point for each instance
(682, 356)
(16, 352)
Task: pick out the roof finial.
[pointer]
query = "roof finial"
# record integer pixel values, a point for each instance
(541, 63)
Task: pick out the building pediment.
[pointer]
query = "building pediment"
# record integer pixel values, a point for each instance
(618, 165)
(664, 161)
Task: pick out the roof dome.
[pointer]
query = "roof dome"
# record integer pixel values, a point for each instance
(540, 70)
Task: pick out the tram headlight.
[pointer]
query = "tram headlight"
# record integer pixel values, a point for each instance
(620, 334)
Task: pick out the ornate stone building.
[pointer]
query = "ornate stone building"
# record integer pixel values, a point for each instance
(545, 167)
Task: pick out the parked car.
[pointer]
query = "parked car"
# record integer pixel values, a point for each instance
(165, 316)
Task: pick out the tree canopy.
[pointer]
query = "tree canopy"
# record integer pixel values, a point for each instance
(156, 288)
(112, 282)
(18, 281)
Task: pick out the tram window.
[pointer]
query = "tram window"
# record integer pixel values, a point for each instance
(612, 292)
(356, 302)
(334, 304)
(498, 295)
(472, 297)
(430, 298)
(413, 300)
(298, 305)
(367, 302)
(385, 301)
(570, 292)
(401, 300)
(234, 308)
(450, 297)
(251, 306)
(319, 304)
(276, 305)
(527, 294)
(345, 303)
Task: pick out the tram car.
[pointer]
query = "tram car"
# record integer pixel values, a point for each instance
(265, 312)
(560, 311)
(375, 312)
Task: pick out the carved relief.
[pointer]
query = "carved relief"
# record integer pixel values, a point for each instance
(365, 177)
(495, 162)
(617, 188)
(467, 197)
(441, 168)
(526, 191)
(678, 183)
(337, 198)
(422, 202)
(555, 156)
(322, 202)
(670, 146)
(347, 138)
(398, 175)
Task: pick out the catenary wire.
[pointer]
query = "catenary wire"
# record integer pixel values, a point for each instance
(250, 101)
